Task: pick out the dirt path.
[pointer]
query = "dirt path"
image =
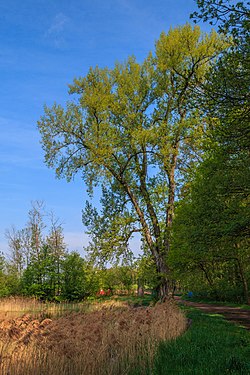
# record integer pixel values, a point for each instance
(234, 314)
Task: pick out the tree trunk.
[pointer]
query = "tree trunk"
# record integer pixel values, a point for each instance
(162, 288)
(158, 250)
(244, 282)
(209, 280)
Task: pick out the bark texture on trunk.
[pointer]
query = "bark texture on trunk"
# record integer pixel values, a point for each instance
(244, 282)
(162, 288)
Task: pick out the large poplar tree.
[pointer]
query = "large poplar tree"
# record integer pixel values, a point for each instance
(134, 130)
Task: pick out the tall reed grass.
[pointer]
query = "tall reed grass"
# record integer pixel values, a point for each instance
(17, 306)
(107, 339)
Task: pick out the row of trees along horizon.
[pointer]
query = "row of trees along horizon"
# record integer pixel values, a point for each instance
(168, 142)
(39, 265)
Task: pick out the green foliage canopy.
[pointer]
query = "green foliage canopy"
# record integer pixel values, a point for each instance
(133, 128)
(211, 230)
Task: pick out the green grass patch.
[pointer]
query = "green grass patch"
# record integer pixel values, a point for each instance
(211, 346)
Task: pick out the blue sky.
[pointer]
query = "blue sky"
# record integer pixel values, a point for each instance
(44, 45)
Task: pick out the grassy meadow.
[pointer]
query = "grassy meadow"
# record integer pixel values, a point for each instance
(211, 346)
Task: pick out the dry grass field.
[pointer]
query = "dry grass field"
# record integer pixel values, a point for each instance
(109, 338)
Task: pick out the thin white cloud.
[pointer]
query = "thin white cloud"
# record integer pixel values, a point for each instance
(58, 24)
(127, 5)
(56, 31)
